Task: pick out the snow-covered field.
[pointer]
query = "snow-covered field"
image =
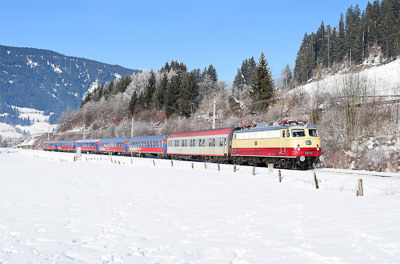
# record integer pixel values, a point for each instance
(54, 210)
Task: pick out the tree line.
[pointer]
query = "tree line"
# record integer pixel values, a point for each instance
(173, 91)
(358, 35)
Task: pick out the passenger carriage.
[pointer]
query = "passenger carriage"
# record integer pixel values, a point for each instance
(113, 145)
(50, 145)
(207, 144)
(88, 145)
(153, 145)
(66, 145)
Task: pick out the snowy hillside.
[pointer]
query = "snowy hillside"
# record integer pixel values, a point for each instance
(38, 119)
(379, 80)
(105, 209)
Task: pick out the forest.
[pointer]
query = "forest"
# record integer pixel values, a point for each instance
(359, 35)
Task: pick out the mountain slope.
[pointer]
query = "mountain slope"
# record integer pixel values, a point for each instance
(49, 81)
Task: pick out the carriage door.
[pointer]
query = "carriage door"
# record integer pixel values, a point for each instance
(234, 144)
(284, 136)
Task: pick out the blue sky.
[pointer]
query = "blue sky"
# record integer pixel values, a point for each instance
(146, 34)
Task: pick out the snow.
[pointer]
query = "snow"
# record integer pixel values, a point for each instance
(40, 123)
(8, 131)
(129, 211)
(93, 86)
(31, 63)
(382, 80)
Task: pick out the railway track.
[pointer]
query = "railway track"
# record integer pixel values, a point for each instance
(360, 173)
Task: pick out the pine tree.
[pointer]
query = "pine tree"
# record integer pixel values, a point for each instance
(244, 77)
(341, 41)
(161, 89)
(329, 45)
(133, 103)
(188, 95)
(354, 34)
(149, 91)
(212, 72)
(262, 87)
(172, 96)
(300, 64)
(320, 46)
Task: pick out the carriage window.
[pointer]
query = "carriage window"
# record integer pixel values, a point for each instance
(224, 141)
(213, 142)
(298, 133)
(283, 133)
(312, 133)
(221, 142)
(203, 142)
(255, 143)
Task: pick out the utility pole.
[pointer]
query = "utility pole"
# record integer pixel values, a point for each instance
(84, 131)
(215, 102)
(132, 127)
(48, 133)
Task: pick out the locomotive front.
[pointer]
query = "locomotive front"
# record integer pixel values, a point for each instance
(303, 144)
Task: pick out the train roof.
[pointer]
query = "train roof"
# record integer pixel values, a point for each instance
(149, 138)
(134, 138)
(88, 140)
(113, 139)
(208, 132)
(273, 128)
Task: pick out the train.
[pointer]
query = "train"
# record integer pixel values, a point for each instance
(287, 144)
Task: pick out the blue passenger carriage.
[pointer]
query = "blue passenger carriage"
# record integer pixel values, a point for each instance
(50, 145)
(113, 145)
(87, 145)
(66, 145)
(156, 145)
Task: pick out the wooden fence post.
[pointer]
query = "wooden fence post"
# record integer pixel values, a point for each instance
(280, 176)
(234, 168)
(315, 179)
(360, 191)
(219, 168)
(205, 165)
(172, 163)
(254, 170)
(154, 163)
(192, 165)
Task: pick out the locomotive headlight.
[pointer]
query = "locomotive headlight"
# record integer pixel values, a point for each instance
(317, 147)
(308, 142)
(302, 158)
(298, 147)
